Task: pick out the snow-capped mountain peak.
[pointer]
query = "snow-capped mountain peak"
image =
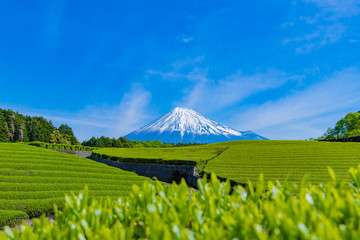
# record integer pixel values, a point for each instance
(186, 125)
(188, 121)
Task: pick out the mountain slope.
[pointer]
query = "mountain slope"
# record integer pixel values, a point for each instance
(186, 125)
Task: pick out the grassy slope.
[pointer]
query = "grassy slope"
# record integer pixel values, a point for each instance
(175, 155)
(245, 160)
(33, 179)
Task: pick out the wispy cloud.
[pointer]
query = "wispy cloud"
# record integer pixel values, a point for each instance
(121, 119)
(337, 8)
(339, 92)
(53, 22)
(208, 95)
(353, 41)
(186, 40)
(322, 36)
(187, 62)
(323, 28)
(104, 120)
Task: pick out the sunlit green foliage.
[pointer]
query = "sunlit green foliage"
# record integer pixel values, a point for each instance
(67, 134)
(280, 160)
(175, 155)
(8, 217)
(121, 142)
(32, 179)
(151, 144)
(154, 211)
(15, 127)
(349, 126)
(245, 160)
(61, 146)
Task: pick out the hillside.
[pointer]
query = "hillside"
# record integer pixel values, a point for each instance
(172, 155)
(33, 179)
(241, 161)
(280, 160)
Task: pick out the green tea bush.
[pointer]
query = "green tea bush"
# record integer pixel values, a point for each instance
(280, 160)
(62, 146)
(11, 218)
(33, 179)
(175, 156)
(266, 210)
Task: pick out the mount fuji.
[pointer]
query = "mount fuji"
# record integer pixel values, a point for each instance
(187, 126)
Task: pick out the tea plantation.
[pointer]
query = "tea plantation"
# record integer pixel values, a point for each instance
(278, 160)
(241, 161)
(156, 211)
(33, 179)
(175, 155)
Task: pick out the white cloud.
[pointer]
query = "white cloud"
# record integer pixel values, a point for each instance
(209, 95)
(322, 36)
(338, 93)
(338, 8)
(110, 121)
(326, 26)
(165, 75)
(187, 62)
(186, 40)
(353, 41)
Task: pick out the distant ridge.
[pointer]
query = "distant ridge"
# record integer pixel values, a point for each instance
(187, 126)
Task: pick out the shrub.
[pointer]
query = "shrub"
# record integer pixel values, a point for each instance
(11, 218)
(217, 211)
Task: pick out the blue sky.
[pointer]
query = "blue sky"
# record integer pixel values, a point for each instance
(284, 69)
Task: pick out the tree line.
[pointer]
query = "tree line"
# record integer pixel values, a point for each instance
(15, 127)
(349, 126)
(123, 142)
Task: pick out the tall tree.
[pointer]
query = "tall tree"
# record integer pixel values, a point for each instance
(68, 133)
(348, 126)
(15, 127)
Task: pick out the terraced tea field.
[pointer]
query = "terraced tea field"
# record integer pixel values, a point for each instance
(33, 179)
(241, 161)
(176, 155)
(277, 160)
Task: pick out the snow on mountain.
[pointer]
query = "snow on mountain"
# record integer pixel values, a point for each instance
(185, 125)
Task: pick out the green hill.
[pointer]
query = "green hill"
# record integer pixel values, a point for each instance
(241, 161)
(33, 179)
(278, 160)
(172, 155)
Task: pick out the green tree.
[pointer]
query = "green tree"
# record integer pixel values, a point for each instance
(57, 137)
(348, 126)
(68, 133)
(4, 131)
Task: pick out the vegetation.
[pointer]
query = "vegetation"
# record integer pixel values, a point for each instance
(105, 142)
(64, 135)
(155, 211)
(61, 146)
(33, 179)
(280, 160)
(108, 142)
(349, 126)
(12, 217)
(240, 161)
(15, 127)
(151, 144)
(174, 155)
